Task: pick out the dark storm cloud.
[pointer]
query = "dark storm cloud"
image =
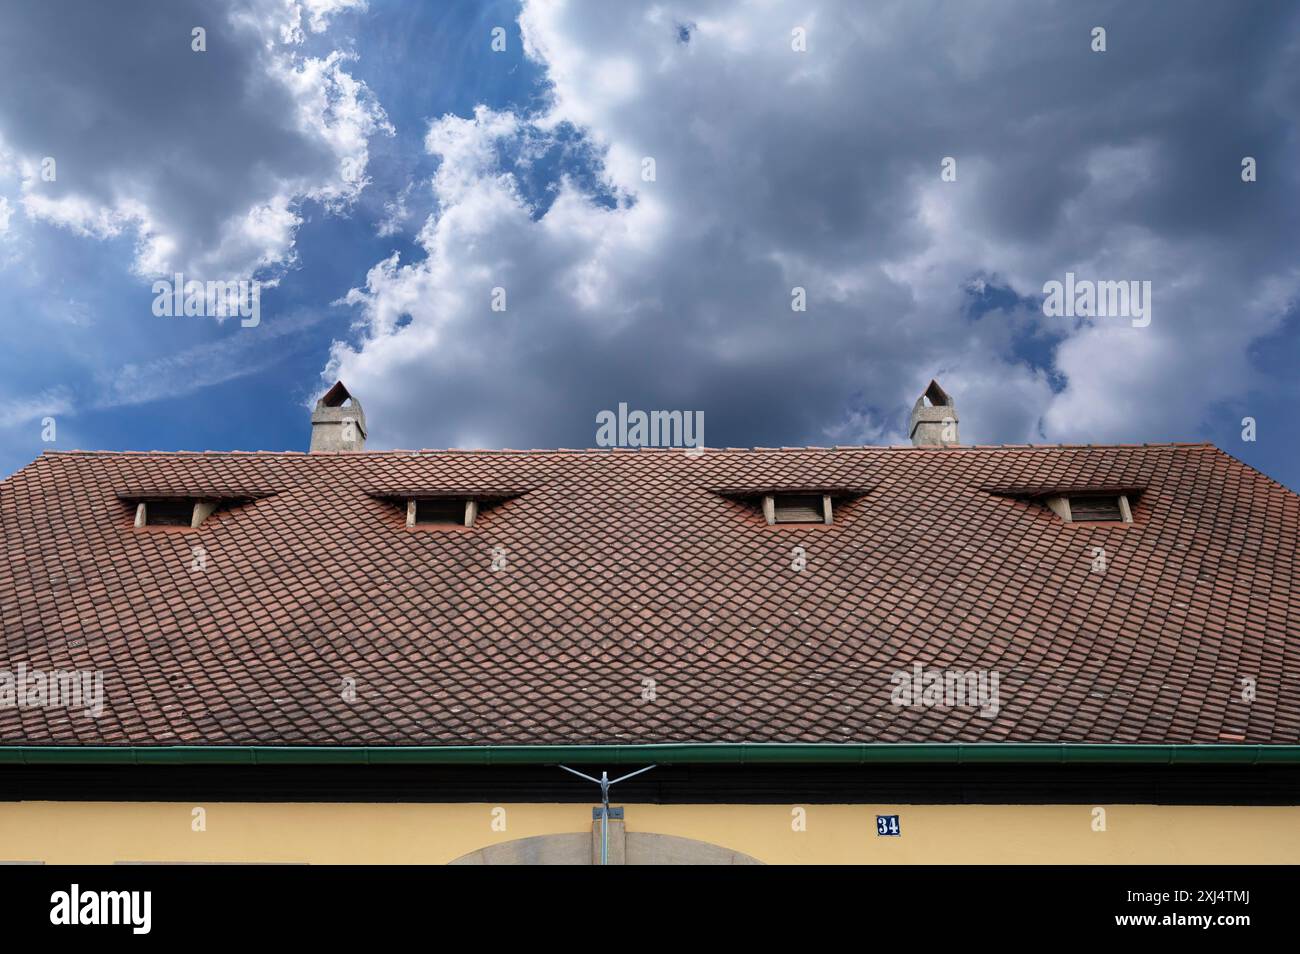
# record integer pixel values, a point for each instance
(778, 169)
(199, 154)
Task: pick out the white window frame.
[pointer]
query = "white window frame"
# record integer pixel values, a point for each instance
(769, 509)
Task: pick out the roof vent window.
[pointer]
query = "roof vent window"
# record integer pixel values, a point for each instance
(444, 512)
(1092, 508)
(797, 508)
(173, 512)
(1095, 508)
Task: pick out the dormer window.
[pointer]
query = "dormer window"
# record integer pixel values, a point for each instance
(1091, 508)
(441, 512)
(442, 508)
(797, 508)
(173, 512)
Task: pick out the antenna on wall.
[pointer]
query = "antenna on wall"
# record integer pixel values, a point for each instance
(605, 782)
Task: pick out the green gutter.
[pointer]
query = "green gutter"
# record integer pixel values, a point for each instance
(722, 753)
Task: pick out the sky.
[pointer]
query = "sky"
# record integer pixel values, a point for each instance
(648, 189)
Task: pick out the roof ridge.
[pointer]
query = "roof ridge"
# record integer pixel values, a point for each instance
(413, 452)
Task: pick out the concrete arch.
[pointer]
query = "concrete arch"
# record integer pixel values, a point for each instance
(625, 848)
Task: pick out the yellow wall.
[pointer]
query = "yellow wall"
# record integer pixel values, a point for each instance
(105, 832)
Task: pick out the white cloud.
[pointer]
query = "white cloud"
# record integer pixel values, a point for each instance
(18, 410)
(396, 213)
(236, 355)
(316, 13)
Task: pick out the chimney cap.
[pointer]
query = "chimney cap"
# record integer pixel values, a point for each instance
(936, 395)
(336, 396)
(934, 424)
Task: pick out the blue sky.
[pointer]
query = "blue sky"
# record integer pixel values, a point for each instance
(385, 169)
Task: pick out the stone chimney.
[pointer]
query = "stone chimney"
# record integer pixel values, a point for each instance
(338, 423)
(934, 419)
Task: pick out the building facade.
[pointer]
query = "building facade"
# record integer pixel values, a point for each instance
(932, 653)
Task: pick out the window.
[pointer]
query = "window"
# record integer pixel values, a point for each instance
(797, 508)
(1092, 508)
(443, 511)
(173, 512)
(1095, 508)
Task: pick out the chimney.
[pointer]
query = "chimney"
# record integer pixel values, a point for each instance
(338, 423)
(934, 419)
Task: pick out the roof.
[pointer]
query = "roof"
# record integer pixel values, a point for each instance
(622, 567)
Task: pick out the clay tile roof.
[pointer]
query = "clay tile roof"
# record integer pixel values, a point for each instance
(621, 568)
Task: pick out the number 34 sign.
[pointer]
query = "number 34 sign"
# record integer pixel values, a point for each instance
(887, 825)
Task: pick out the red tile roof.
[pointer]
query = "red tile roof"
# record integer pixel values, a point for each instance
(623, 567)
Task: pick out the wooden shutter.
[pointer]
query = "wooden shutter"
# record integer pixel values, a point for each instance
(798, 508)
(1096, 508)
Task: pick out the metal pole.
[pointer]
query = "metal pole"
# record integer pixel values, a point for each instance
(604, 834)
(604, 818)
(604, 782)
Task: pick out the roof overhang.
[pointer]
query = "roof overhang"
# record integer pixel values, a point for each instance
(759, 490)
(1037, 491)
(739, 753)
(192, 493)
(416, 493)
